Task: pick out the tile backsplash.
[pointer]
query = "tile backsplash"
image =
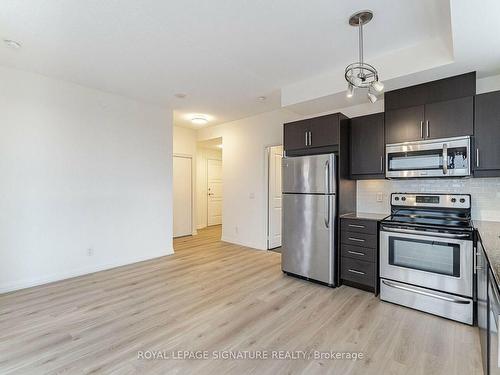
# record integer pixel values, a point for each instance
(485, 193)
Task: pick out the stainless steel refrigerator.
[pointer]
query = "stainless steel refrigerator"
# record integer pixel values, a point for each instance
(309, 217)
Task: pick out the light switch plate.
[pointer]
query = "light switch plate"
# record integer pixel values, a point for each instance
(380, 197)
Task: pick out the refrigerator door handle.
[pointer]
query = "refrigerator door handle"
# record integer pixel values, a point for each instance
(327, 197)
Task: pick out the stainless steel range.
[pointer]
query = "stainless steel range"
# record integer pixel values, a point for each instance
(426, 254)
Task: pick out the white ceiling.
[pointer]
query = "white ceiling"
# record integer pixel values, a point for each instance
(223, 54)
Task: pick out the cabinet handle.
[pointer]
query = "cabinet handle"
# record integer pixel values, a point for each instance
(356, 226)
(310, 138)
(427, 129)
(477, 157)
(355, 252)
(382, 163)
(306, 138)
(357, 272)
(356, 239)
(422, 129)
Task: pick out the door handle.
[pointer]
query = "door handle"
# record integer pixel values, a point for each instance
(327, 197)
(421, 129)
(445, 158)
(428, 133)
(408, 289)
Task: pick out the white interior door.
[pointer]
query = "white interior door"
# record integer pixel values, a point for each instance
(274, 196)
(214, 192)
(182, 196)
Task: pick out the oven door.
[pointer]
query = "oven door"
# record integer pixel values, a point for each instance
(436, 158)
(429, 261)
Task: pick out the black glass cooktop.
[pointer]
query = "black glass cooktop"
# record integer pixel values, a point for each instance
(459, 223)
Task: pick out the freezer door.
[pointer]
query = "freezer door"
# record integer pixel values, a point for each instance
(313, 174)
(308, 247)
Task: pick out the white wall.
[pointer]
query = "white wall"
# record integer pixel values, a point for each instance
(244, 206)
(203, 154)
(80, 169)
(184, 144)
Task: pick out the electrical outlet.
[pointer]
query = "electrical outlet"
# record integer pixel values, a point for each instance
(251, 195)
(380, 197)
(90, 251)
(236, 229)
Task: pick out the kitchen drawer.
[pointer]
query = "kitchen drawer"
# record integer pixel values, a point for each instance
(359, 239)
(357, 252)
(359, 226)
(358, 271)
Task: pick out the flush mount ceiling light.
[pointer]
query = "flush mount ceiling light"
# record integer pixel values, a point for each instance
(180, 95)
(199, 120)
(361, 75)
(12, 43)
(261, 98)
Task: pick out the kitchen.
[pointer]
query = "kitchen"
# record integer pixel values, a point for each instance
(142, 150)
(430, 253)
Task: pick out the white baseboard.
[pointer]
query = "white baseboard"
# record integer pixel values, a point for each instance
(28, 283)
(241, 243)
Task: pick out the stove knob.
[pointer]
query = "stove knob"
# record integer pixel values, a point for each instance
(396, 198)
(462, 200)
(453, 200)
(403, 198)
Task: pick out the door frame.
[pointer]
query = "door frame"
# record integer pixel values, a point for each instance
(193, 225)
(267, 161)
(206, 187)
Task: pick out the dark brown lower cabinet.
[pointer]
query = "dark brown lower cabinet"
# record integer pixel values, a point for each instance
(359, 253)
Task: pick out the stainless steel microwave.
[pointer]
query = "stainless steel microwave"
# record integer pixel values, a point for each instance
(448, 157)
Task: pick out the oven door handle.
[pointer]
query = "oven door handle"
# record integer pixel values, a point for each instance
(422, 233)
(408, 289)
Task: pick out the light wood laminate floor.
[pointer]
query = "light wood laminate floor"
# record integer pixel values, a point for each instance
(213, 296)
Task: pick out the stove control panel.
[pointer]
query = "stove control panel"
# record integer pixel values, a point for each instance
(431, 200)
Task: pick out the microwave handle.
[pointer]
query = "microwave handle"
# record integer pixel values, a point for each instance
(445, 159)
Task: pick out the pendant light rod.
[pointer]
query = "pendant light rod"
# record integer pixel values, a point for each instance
(361, 41)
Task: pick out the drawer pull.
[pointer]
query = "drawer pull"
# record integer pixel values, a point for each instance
(356, 272)
(356, 239)
(355, 252)
(356, 226)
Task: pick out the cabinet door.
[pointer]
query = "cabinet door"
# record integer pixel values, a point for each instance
(405, 124)
(295, 135)
(367, 146)
(487, 132)
(482, 302)
(324, 131)
(451, 118)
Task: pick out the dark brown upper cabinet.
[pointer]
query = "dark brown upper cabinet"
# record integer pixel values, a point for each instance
(367, 147)
(438, 109)
(404, 124)
(314, 133)
(451, 118)
(487, 135)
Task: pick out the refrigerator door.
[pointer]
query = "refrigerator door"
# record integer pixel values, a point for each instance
(313, 174)
(309, 236)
